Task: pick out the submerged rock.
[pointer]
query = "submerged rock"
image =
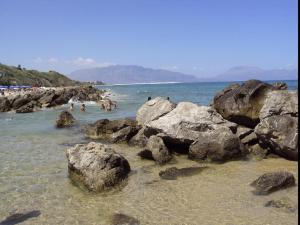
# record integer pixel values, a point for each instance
(20, 217)
(242, 103)
(113, 130)
(273, 181)
(283, 203)
(156, 150)
(64, 119)
(172, 173)
(122, 219)
(153, 109)
(96, 166)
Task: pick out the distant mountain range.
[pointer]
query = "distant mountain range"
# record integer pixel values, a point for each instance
(120, 74)
(130, 74)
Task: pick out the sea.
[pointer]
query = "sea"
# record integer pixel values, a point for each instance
(34, 176)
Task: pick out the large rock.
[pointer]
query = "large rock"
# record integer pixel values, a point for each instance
(156, 150)
(153, 109)
(5, 105)
(273, 181)
(113, 130)
(21, 100)
(280, 103)
(186, 122)
(64, 119)
(96, 166)
(242, 103)
(140, 139)
(216, 145)
(280, 134)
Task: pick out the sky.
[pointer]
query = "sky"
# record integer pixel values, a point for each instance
(200, 37)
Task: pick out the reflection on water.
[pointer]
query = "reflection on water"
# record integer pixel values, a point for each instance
(33, 177)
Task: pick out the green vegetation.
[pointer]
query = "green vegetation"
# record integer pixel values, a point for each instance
(11, 75)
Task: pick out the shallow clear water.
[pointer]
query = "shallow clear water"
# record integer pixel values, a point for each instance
(33, 173)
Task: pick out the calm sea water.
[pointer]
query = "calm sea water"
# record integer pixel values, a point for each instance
(33, 172)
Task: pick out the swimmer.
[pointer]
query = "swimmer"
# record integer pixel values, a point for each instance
(82, 108)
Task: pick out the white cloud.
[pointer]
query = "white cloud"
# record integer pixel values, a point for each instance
(76, 62)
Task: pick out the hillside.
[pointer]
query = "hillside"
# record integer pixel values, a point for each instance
(11, 75)
(120, 74)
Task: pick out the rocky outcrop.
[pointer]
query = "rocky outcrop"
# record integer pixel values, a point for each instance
(273, 181)
(242, 103)
(96, 166)
(48, 98)
(113, 130)
(153, 109)
(285, 204)
(216, 145)
(156, 150)
(65, 119)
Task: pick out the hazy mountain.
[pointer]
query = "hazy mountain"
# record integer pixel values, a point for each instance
(130, 74)
(242, 73)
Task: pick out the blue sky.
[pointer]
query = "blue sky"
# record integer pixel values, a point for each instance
(201, 37)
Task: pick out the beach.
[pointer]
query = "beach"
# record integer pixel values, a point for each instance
(34, 173)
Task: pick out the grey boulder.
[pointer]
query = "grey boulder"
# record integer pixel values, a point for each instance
(95, 166)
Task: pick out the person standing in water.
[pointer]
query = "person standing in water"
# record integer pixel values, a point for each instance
(82, 108)
(72, 107)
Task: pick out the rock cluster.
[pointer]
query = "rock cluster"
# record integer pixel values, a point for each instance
(48, 98)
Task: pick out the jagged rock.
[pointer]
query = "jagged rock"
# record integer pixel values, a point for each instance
(242, 131)
(27, 108)
(280, 103)
(156, 150)
(65, 119)
(242, 103)
(273, 181)
(184, 124)
(216, 145)
(153, 109)
(96, 166)
(280, 134)
(172, 173)
(5, 105)
(114, 130)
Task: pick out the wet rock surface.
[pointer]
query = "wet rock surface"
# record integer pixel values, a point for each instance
(273, 181)
(96, 166)
(285, 204)
(65, 119)
(122, 219)
(113, 130)
(173, 172)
